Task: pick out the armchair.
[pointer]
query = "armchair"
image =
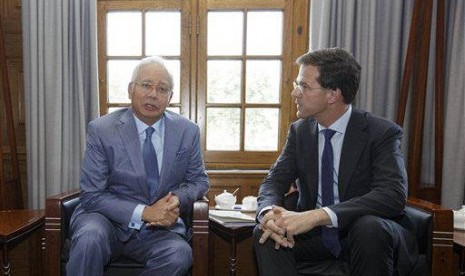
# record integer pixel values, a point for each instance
(433, 226)
(58, 211)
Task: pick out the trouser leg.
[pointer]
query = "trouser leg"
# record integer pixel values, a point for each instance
(273, 261)
(380, 247)
(92, 243)
(163, 253)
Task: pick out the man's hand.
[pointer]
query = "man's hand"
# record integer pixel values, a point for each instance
(294, 223)
(163, 213)
(271, 230)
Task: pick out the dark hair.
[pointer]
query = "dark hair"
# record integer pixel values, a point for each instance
(338, 69)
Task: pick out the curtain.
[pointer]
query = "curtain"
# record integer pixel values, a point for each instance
(376, 32)
(61, 91)
(453, 179)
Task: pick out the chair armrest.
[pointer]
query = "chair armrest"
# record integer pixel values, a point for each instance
(442, 236)
(53, 215)
(200, 238)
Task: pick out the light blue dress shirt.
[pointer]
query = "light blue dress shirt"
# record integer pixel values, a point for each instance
(157, 141)
(340, 127)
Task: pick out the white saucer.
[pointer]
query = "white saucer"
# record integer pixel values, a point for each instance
(236, 207)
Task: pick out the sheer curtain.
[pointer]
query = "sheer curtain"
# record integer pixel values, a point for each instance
(453, 179)
(376, 32)
(61, 91)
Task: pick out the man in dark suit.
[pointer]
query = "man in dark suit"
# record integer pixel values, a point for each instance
(142, 171)
(351, 179)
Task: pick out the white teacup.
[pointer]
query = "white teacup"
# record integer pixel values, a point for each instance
(249, 203)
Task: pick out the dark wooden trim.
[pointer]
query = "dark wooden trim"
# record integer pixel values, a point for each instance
(439, 96)
(15, 176)
(200, 238)
(52, 241)
(415, 83)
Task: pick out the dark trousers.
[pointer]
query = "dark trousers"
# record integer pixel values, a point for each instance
(373, 246)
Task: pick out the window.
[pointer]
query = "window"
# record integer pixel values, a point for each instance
(129, 31)
(232, 63)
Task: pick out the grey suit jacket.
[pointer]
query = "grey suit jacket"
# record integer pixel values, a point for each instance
(113, 180)
(372, 176)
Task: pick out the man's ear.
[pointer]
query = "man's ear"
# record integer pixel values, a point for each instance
(335, 96)
(130, 90)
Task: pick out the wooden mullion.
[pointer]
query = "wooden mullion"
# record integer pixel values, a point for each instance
(439, 95)
(408, 65)
(418, 101)
(102, 58)
(244, 80)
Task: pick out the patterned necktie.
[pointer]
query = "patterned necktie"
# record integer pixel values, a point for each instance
(330, 235)
(150, 162)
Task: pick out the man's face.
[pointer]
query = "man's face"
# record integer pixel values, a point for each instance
(148, 104)
(311, 99)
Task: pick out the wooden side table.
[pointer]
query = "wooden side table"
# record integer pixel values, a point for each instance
(232, 233)
(459, 244)
(14, 226)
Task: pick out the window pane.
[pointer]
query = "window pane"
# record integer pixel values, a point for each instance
(224, 81)
(261, 129)
(224, 33)
(174, 66)
(264, 33)
(111, 109)
(163, 33)
(223, 128)
(174, 109)
(263, 81)
(124, 33)
(119, 76)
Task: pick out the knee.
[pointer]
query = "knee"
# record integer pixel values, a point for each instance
(177, 258)
(182, 256)
(91, 235)
(370, 233)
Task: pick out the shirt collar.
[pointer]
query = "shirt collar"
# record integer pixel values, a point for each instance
(341, 124)
(141, 126)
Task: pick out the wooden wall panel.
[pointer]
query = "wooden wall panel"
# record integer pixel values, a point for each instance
(10, 11)
(248, 183)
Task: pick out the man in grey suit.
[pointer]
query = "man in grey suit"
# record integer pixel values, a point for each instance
(142, 171)
(352, 183)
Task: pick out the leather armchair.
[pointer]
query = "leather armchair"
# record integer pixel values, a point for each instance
(433, 226)
(58, 211)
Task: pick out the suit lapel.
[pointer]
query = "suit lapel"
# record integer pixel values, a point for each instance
(130, 139)
(309, 138)
(171, 141)
(352, 147)
(313, 163)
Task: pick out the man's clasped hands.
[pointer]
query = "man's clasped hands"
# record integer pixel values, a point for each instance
(282, 225)
(162, 213)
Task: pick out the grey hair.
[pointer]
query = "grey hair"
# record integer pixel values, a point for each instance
(152, 60)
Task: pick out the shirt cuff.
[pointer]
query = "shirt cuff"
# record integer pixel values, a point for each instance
(262, 213)
(332, 216)
(136, 219)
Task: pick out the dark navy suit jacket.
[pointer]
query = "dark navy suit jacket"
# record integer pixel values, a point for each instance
(372, 176)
